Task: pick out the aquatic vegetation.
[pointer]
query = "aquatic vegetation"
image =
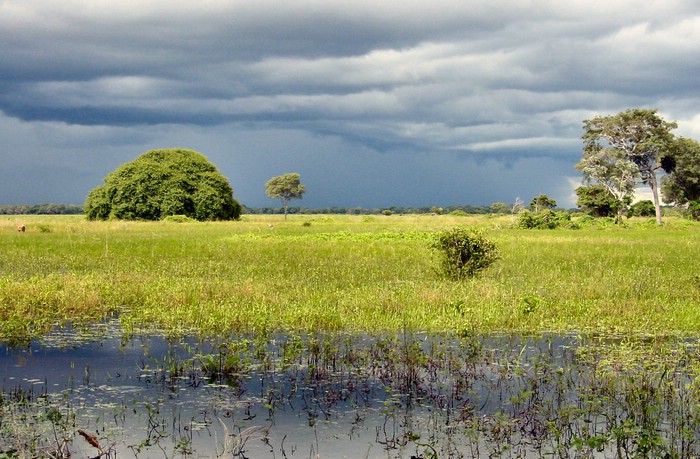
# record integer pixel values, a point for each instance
(577, 343)
(408, 394)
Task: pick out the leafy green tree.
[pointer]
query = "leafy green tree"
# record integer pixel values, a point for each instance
(542, 202)
(285, 187)
(682, 163)
(161, 183)
(499, 208)
(643, 208)
(611, 169)
(638, 135)
(598, 201)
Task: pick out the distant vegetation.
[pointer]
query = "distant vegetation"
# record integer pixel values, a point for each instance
(41, 209)
(393, 210)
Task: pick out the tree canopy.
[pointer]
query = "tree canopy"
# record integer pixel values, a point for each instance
(682, 163)
(542, 202)
(598, 201)
(638, 136)
(285, 187)
(643, 208)
(160, 183)
(610, 169)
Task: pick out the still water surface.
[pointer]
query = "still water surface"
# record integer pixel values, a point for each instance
(316, 397)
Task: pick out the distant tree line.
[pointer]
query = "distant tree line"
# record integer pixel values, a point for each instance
(396, 210)
(41, 209)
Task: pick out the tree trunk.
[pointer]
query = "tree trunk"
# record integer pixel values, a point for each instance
(653, 184)
(618, 214)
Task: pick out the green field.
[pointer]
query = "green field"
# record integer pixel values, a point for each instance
(345, 273)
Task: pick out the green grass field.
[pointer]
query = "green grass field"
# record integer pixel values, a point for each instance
(344, 273)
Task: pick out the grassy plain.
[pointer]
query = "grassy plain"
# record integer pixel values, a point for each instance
(344, 273)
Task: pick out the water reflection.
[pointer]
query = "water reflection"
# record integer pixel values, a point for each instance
(404, 396)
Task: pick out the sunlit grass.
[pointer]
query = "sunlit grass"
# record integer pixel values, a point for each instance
(350, 273)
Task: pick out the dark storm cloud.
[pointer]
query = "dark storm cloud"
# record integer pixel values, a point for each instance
(429, 85)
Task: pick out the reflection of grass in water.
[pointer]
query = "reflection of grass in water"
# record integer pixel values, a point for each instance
(472, 395)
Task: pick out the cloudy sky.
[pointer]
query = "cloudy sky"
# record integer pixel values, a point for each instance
(375, 103)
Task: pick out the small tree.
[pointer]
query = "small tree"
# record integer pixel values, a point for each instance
(597, 201)
(285, 187)
(465, 252)
(499, 208)
(611, 169)
(542, 202)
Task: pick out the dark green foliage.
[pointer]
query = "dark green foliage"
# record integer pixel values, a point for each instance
(682, 163)
(694, 210)
(465, 252)
(41, 209)
(597, 201)
(642, 209)
(161, 183)
(547, 219)
(500, 208)
(461, 210)
(542, 202)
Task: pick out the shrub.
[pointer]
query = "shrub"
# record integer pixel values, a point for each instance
(178, 219)
(642, 209)
(547, 219)
(465, 252)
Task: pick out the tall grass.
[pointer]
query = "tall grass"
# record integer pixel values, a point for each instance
(350, 273)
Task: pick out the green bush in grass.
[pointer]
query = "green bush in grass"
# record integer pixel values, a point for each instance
(465, 252)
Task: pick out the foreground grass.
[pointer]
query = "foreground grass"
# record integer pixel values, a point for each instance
(344, 273)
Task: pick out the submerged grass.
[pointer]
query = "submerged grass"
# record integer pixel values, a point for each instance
(349, 273)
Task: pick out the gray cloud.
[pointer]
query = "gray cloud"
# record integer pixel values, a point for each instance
(379, 102)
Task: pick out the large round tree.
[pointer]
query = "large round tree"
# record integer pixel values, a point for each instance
(165, 182)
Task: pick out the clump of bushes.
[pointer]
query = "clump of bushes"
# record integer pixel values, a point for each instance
(178, 219)
(545, 219)
(642, 209)
(465, 252)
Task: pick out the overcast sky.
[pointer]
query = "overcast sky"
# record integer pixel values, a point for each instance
(375, 103)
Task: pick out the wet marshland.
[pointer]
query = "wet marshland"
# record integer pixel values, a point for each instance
(97, 393)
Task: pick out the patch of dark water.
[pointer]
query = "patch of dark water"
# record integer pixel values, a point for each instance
(404, 396)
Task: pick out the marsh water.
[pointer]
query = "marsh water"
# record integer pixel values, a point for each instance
(96, 393)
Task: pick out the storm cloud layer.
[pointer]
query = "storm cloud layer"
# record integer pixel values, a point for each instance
(374, 103)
